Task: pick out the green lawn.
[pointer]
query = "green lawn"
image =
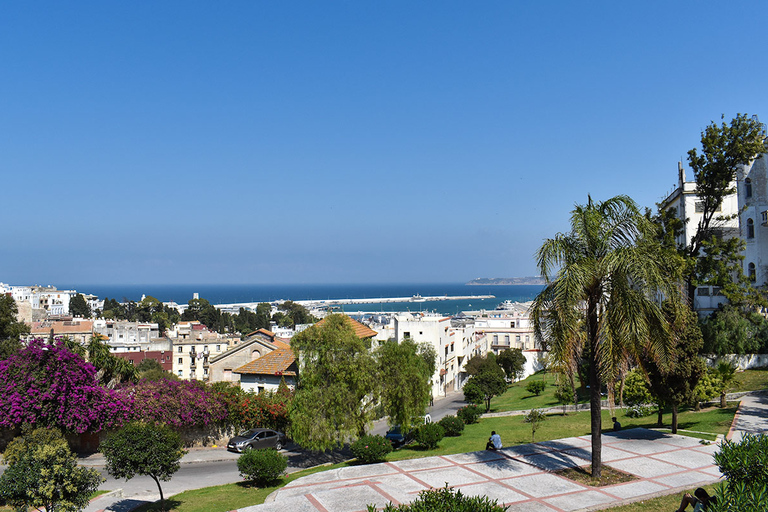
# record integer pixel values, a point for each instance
(513, 429)
(669, 502)
(752, 380)
(516, 398)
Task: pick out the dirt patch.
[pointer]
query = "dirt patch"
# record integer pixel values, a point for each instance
(583, 475)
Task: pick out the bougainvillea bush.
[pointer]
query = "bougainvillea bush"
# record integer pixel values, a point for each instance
(178, 403)
(268, 409)
(46, 385)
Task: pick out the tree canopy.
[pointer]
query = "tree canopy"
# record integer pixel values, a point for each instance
(603, 278)
(674, 383)
(43, 474)
(337, 382)
(405, 370)
(143, 449)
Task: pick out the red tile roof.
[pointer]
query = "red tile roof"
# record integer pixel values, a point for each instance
(361, 331)
(277, 362)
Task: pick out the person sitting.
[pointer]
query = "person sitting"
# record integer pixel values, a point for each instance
(494, 442)
(700, 501)
(616, 424)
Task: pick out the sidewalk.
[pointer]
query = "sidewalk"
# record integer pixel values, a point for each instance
(520, 476)
(209, 454)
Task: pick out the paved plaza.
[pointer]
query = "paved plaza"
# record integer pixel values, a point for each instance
(519, 476)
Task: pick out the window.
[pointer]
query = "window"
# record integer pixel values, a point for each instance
(506, 339)
(517, 338)
(702, 291)
(748, 187)
(752, 272)
(750, 228)
(218, 348)
(699, 207)
(180, 374)
(495, 338)
(181, 349)
(181, 360)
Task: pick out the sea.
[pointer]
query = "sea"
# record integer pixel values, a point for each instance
(238, 293)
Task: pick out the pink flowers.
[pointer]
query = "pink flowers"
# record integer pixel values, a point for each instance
(47, 385)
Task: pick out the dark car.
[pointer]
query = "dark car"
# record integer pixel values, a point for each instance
(256, 439)
(398, 438)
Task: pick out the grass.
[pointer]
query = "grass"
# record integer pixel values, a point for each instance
(513, 430)
(669, 502)
(516, 398)
(752, 380)
(221, 498)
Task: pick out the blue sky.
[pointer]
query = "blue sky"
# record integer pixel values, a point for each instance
(320, 142)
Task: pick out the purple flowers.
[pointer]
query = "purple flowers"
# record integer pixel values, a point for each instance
(177, 403)
(45, 384)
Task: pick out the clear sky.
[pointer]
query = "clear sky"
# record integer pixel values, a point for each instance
(361, 141)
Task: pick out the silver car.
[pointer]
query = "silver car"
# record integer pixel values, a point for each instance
(256, 439)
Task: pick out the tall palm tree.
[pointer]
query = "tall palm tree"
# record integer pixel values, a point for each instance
(604, 279)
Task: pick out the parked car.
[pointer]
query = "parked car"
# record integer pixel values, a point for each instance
(396, 435)
(256, 439)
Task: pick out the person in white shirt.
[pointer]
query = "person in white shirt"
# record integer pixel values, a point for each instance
(494, 442)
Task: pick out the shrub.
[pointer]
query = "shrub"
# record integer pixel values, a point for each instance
(445, 500)
(746, 461)
(739, 496)
(180, 404)
(370, 449)
(536, 387)
(469, 414)
(262, 466)
(43, 474)
(636, 390)
(429, 435)
(452, 425)
(47, 385)
(638, 411)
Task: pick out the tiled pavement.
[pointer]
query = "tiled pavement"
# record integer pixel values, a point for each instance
(520, 476)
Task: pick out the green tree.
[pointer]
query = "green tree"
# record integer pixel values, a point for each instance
(79, 307)
(42, 473)
(726, 372)
(512, 361)
(565, 395)
(602, 299)
(337, 380)
(730, 330)
(111, 370)
(10, 327)
(477, 364)
(405, 378)
(263, 315)
(144, 449)
(534, 417)
(481, 388)
(724, 148)
(148, 365)
(674, 384)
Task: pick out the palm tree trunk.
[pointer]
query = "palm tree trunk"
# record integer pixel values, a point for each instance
(660, 422)
(723, 404)
(596, 413)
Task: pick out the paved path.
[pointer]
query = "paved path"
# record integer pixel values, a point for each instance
(520, 476)
(751, 417)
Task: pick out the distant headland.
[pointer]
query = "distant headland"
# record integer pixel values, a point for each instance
(507, 280)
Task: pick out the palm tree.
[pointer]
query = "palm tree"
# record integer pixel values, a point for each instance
(603, 301)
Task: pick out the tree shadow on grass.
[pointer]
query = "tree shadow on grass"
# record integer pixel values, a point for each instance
(155, 506)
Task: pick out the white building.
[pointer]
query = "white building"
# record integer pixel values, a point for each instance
(124, 336)
(752, 191)
(684, 201)
(434, 329)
